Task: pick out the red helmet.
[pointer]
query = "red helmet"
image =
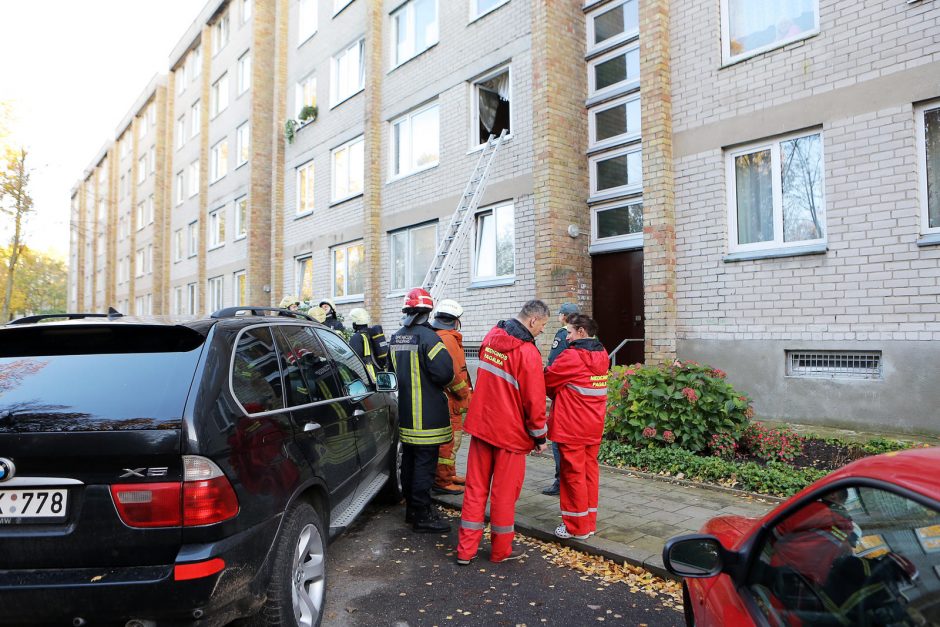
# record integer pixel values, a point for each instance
(418, 298)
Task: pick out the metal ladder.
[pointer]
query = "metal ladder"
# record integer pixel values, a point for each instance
(446, 257)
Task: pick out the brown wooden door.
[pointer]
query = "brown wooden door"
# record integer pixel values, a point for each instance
(618, 302)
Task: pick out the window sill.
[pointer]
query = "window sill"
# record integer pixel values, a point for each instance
(611, 245)
(776, 253)
(333, 105)
(474, 18)
(242, 164)
(610, 44)
(339, 201)
(355, 298)
(412, 57)
(479, 147)
(929, 239)
(303, 215)
(768, 48)
(479, 284)
(216, 247)
(615, 193)
(240, 237)
(306, 39)
(399, 177)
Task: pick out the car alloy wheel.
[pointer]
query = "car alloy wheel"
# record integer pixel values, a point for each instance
(308, 576)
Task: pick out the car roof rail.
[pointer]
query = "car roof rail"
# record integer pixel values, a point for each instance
(111, 315)
(231, 312)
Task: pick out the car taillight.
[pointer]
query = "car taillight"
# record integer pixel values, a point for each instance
(204, 497)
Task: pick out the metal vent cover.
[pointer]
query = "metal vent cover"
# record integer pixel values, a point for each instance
(471, 351)
(834, 364)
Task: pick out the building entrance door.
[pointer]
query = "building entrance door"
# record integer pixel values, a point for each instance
(618, 302)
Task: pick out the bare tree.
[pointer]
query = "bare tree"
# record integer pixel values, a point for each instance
(15, 202)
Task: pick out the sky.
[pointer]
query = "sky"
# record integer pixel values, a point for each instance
(72, 70)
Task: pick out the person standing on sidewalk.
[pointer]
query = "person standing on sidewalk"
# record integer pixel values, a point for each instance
(447, 324)
(368, 342)
(424, 368)
(577, 384)
(506, 421)
(559, 343)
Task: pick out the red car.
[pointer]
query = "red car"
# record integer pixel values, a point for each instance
(859, 547)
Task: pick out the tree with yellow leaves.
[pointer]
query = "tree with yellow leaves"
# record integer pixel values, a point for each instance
(16, 203)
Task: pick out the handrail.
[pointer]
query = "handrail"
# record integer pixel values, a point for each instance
(612, 355)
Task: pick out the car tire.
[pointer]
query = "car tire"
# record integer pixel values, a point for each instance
(687, 606)
(392, 492)
(296, 594)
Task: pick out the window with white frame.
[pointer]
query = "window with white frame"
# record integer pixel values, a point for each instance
(218, 161)
(149, 209)
(305, 179)
(243, 81)
(217, 228)
(305, 94)
(196, 56)
(121, 188)
(141, 127)
(218, 100)
(148, 259)
(139, 306)
(411, 253)
(125, 146)
(152, 160)
(240, 288)
(415, 140)
(180, 188)
(194, 123)
(348, 169)
(492, 95)
(616, 172)
(214, 293)
(613, 23)
(348, 270)
(181, 78)
(139, 263)
(775, 194)
(142, 169)
(242, 144)
(246, 10)
(303, 277)
(140, 215)
(347, 72)
(481, 7)
(180, 131)
(928, 150)
(187, 71)
(414, 29)
(192, 232)
(615, 122)
(220, 32)
(152, 115)
(193, 176)
(494, 253)
(339, 5)
(192, 296)
(749, 27)
(614, 71)
(178, 245)
(241, 217)
(178, 302)
(306, 20)
(617, 222)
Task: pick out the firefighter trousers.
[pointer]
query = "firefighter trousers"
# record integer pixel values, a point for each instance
(447, 457)
(496, 474)
(579, 487)
(417, 474)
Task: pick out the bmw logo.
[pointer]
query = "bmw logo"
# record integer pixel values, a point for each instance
(7, 469)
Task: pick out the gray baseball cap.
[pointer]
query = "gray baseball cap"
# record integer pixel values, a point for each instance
(568, 309)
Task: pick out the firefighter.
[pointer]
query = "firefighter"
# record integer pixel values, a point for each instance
(447, 324)
(368, 342)
(559, 343)
(507, 421)
(424, 369)
(332, 321)
(577, 384)
(290, 303)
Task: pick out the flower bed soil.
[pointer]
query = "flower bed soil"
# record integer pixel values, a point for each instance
(818, 454)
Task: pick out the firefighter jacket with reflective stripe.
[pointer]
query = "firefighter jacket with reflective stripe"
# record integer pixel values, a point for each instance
(424, 369)
(508, 405)
(370, 344)
(577, 384)
(458, 391)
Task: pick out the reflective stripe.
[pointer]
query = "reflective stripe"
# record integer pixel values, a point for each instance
(499, 373)
(426, 432)
(434, 351)
(426, 440)
(404, 347)
(466, 524)
(498, 529)
(574, 514)
(416, 409)
(539, 432)
(444, 461)
(588, 391)
(593, 510)
(459, 386)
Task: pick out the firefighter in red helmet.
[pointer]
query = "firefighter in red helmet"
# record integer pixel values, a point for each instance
(424, 369)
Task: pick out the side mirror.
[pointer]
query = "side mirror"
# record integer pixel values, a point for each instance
(357, 388)
(386, 382)
(695, 556)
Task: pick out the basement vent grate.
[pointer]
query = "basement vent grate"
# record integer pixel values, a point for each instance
(834, 364)
(471, 352)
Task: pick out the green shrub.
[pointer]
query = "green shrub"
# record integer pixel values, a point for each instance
(877, 446)
(782, 444)
(680, 403)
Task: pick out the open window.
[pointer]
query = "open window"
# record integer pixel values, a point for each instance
(492, 97)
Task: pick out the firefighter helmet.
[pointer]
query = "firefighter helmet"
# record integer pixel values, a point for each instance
(448, 307)
(419, 299)
(359, 316)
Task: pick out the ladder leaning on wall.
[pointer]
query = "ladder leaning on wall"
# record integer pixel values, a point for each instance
(448, 250)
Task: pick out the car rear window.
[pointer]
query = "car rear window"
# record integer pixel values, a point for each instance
(95, 378)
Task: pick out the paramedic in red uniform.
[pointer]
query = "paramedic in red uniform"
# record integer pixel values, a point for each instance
(506, 421)
(577, 384)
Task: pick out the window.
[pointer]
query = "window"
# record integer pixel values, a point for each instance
(178, 303)
(246, 10)
(180, 131)
(151, 160)
(182, 78)
(414, 29)
(415, 139)
(139, 263)
(480, 7)
(256, 377)
(219, 34)
(241, 217)
(218, 101)
(306, 20)
(140, 215)
(193, 232)
(193, 178)
(928, 149)
(239, 287)
(178, 245)
(216, 228)
(749, 27)
(142, 169)
(491, 99)
(192, 296)
(194, 115)
(244, 73)
(411, 252)
(348, 170)
(180, 188)
(242, 144)
(152, 115)
(348, 73)
(215, 293)
(150, 209)
(619, 223)
(305, 188)
(148, 259)
(613, 23)
(121, 187)
(305, 94)
(615, 71)
(775, 194)
(616, 173)
(196, 56)
(125, 146)
(348, 271)
(218, 162)
(494, 253)
(303, 277)
(339, 5)
(306, 366)
(141, 127)
(615, 122)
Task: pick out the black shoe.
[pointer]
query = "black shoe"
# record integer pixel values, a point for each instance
(450, 489)
(409, 516)
(430, 522)
(517, 553)
(552, 490)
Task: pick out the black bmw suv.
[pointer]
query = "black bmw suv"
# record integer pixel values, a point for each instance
(161, 473)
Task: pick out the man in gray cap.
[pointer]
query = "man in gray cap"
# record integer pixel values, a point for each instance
(559, 344)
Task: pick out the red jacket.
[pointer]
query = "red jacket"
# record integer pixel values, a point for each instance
(508, 405)
(577, 383)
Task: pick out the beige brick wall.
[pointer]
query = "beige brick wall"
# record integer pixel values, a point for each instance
(374, 179)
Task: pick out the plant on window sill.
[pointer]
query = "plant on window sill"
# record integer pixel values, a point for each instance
(307, 115)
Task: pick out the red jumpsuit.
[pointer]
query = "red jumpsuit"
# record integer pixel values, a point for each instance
(577, 384)
(507, 420)
(458, 400)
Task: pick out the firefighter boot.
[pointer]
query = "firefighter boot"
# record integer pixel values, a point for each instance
(429, 521)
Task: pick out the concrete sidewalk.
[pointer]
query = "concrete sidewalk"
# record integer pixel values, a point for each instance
(636, 514)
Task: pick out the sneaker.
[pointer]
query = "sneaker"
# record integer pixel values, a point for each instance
(562, 532)
(552, 490)
(463, 562)
(517, 553)
(447, 489)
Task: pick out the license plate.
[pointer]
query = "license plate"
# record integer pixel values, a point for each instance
(16, 504)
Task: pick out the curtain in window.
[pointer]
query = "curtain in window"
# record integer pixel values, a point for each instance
(758, 23)
(754, 190)
(932, 143)
(492, 91)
